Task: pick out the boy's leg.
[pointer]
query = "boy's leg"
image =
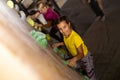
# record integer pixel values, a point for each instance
(89, 67)
(96, 9)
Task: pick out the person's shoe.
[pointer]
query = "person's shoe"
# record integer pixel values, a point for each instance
(97, 18)
(103, 18)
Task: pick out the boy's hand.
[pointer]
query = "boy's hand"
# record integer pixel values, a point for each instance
(39, 25)
(72, 62)
(55, 45)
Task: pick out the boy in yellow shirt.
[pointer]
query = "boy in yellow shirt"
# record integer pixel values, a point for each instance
(76, 47)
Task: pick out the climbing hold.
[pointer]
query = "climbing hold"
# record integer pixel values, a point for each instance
(10, 4)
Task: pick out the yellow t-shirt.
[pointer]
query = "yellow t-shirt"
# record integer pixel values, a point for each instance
(73, 42)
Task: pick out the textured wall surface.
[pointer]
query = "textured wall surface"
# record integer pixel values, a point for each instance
(20, 56)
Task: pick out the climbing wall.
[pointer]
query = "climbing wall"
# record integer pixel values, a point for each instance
(27, 3)
(21, 58)
(60, 2)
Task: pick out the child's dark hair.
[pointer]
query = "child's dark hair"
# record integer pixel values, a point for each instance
(62, 18)
(67, 20)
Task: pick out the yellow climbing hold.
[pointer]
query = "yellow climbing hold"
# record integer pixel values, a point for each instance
(10, 4)
(48, 37)
(30, 21)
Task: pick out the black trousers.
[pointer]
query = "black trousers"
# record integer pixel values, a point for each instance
(96, 9)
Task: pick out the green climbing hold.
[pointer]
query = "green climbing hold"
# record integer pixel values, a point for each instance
(39, 37)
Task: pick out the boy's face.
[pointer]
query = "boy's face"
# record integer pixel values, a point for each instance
(42, 9)
(64, 28)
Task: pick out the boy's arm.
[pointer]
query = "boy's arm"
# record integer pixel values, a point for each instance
(58, 44)
(36, 15)
(80, 55)
(48, 24)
